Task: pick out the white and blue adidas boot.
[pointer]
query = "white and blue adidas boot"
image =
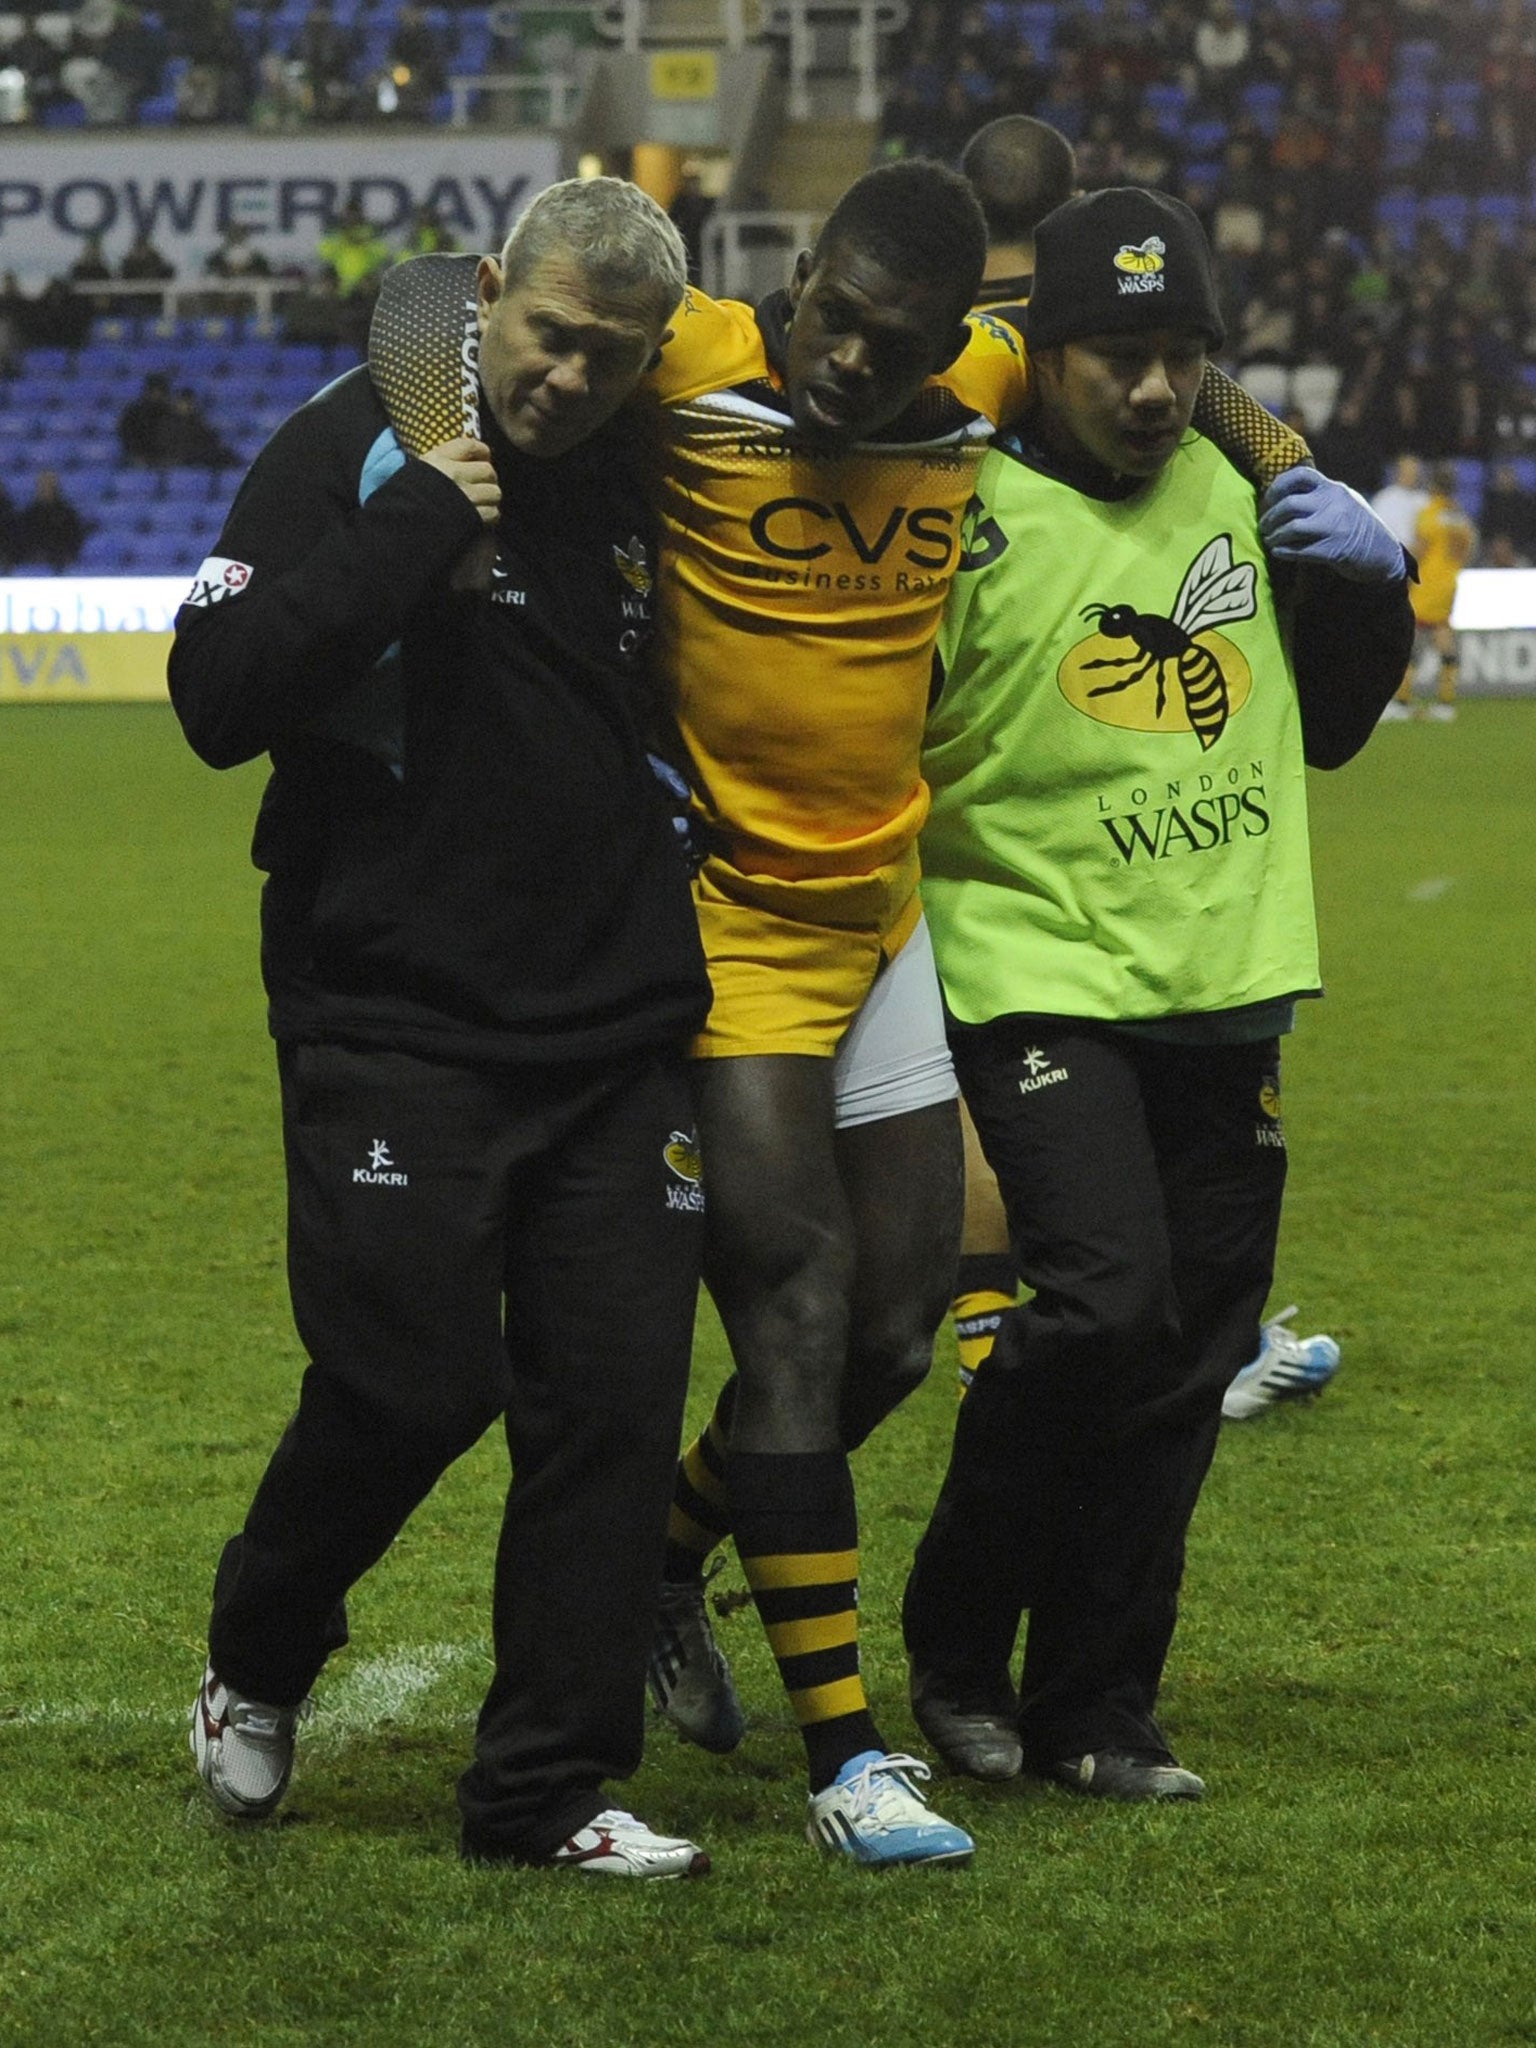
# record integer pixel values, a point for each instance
(1287, 1367)
(873, 1813)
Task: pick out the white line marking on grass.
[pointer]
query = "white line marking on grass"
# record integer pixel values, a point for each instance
(385, 1688)
(68, 1714)
(1431, 889)
(362, 1697)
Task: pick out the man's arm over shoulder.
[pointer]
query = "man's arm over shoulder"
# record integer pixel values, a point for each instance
(307, 586)
(1350, 644)
(991, 373)
(714, 343)
(1343, 577)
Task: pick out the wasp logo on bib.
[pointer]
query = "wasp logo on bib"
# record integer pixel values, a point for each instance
(1179, 674)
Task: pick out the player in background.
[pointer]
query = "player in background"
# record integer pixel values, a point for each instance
(1445, 540)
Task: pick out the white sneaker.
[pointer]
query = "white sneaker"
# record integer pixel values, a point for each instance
(1287, 1366)
(873, 1813)
(1394, 710)
(244, 1748)
(688, 1675)
(1442, 714)
(615, 1844)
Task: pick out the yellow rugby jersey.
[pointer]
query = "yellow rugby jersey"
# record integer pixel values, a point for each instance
(1445, 538)
(799, 597)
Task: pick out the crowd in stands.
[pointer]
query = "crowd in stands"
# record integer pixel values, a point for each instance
(330, 301)
(1365, 172)
(269, 65)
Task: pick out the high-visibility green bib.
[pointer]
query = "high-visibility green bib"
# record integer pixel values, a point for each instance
(1119, 823)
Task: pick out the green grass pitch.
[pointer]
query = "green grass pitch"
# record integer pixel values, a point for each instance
(1355, 1671)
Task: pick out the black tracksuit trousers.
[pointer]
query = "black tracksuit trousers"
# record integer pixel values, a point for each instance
(465, 1244)
(1143, 1184)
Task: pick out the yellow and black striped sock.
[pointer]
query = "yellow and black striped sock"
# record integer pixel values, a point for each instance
(985, 1286)
(797, 1534)
(700, 1516)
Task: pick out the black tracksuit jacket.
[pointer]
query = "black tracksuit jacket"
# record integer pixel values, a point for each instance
(468, 858)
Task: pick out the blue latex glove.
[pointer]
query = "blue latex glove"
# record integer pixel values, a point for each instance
(680, 805)
(1305, 516)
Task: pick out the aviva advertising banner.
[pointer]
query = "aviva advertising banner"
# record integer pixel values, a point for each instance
(104, 639)
(184, 190)
(86, 639)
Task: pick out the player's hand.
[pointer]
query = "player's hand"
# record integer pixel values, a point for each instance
(1305, 516)
(467, 463)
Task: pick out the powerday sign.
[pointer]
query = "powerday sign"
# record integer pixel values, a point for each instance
(185, 191)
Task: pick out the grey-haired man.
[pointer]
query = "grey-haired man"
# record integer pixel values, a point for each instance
(483, 968)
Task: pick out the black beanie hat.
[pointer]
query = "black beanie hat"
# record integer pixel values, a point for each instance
(1120, 261)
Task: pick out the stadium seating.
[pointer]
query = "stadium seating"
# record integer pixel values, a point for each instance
(67, 403)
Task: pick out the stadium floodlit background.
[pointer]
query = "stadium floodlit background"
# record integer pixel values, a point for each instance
(194, 201)
(205, 193)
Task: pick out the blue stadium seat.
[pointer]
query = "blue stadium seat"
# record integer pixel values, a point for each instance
(1166, 99)
(184, 485)
(51, 362)
(88, 483)
(1507, 211)
(1414, 90)
(309, 356)
(1398, 210)
(1448, 211)
(1469, 484)
(1417, 54)
(105, 552)
(1524, 467)
(1407, 133)
(113, 328)
(1263, 100)
(1204, 138)
(1460, 103)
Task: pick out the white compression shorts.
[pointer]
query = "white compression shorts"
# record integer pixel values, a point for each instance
(894, 1057)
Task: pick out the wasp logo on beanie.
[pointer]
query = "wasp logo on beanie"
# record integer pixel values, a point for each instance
(1143, 260)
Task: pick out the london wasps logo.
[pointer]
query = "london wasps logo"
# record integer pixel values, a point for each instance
(1180, 675)
(1144, 258)
(634, 565)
